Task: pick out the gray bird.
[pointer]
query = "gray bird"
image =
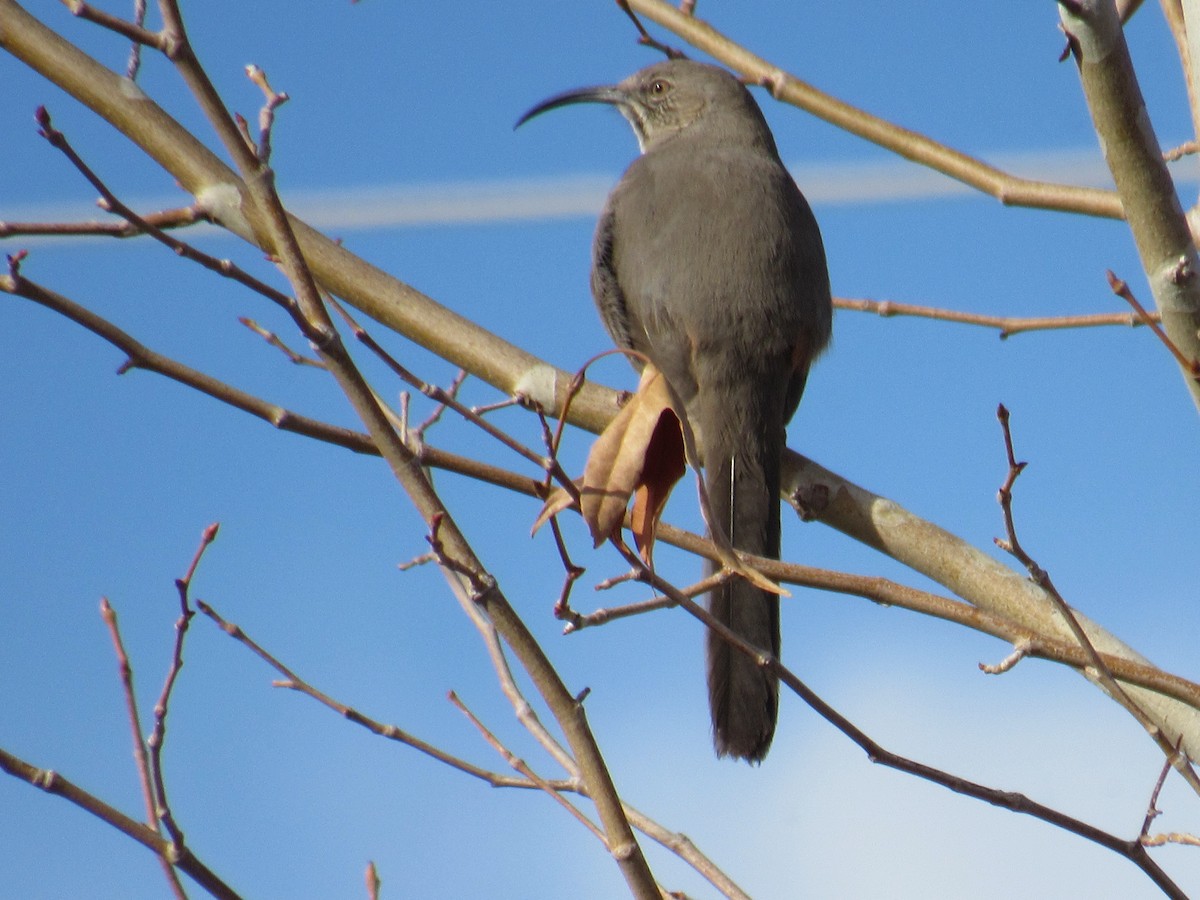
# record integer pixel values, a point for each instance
(707, 259)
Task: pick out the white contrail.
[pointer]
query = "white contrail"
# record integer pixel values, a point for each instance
(581, 196)
(457, 203)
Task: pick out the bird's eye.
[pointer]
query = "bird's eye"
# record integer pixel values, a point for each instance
(658, 87)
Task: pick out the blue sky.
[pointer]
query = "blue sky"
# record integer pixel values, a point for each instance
(399, 139)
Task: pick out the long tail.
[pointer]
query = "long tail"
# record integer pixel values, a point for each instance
(742, 478)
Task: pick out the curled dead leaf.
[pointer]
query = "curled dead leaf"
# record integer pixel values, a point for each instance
(560, 499)
(640, 451)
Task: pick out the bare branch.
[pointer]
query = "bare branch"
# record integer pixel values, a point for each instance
(1152, 810)
(644, 37)
(275, 341)
(158, 735)
(53, 783)
(139, 745)
(179, 217)
(1007, 325)
(1121, 289)
(678, 844)
(294, 682)
(59, 141)
(1096, 668)
(1135, 159)
(521, 766)
(132, 30)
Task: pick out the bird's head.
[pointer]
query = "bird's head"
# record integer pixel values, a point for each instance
(665, 99)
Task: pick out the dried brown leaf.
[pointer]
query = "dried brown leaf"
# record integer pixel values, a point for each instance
(560, 498)
(664, 466)
(637, 441)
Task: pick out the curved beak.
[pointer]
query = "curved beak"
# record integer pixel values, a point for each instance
(607, 94)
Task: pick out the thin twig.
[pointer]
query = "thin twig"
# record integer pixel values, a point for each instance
(499, 404)
(266, 115)
(178, 217)
(676, 843)
(158, 734)
(435, 416)
(293, 682)
(1007, 325)
(1152, 810)
(275, 341)
(1020, 652)
(1096, 664)
(439, 395)
(1187, 148)
(135, 49)
(132, 30)
(521, 766)
(1174, 837)
(645, 38)
(225, 267)
(1122, 290)
(125, 668)
(653, 604)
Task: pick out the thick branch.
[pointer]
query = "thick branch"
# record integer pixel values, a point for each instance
(1135, 159)
(968, 572)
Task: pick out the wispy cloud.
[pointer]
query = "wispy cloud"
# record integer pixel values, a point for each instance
(581, 196)
(456, 203)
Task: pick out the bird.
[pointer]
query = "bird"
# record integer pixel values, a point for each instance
(708, 261)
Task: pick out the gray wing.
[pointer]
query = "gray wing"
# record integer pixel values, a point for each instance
(630, 296)
(610, 299)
